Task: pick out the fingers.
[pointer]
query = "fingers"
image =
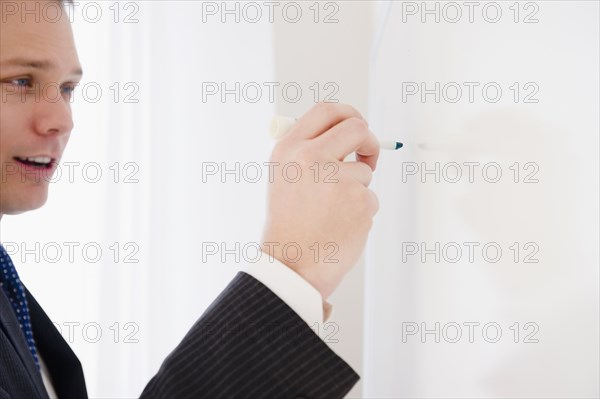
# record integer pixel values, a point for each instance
(340, 130)
(348, 136)
(374, 201)
(319, 119)
(359, 171)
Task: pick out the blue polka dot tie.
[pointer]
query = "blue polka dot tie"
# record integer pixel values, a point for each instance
(15, 292)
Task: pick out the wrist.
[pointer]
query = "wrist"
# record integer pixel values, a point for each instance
(312, 273)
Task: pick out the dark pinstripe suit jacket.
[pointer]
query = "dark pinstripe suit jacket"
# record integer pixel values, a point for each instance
(248, 344)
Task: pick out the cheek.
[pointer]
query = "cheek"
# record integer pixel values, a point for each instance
(65, 139)
(5, 141)
(13, 121)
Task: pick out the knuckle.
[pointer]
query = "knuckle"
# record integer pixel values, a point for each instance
(364, 173)
(374, 202)
(357, 125)
(329, 109)
(368, 202)
(279, 151)
(363, 198)
(366, 169)
(367, 205)
(305, 154)
(337, 111)
(369, 175)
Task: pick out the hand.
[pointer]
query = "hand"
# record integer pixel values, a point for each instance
(320, 208)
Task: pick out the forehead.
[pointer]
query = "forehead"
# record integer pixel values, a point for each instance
(26, 34)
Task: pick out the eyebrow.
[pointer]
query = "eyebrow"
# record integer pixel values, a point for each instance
(35, 64)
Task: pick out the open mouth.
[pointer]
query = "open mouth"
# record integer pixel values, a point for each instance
(36, 162)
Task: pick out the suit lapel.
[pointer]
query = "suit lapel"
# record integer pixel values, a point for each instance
(10, 326)
(64, 367)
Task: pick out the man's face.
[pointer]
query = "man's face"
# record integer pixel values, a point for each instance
(39, 68)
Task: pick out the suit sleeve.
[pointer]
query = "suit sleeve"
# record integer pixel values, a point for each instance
(250, 344)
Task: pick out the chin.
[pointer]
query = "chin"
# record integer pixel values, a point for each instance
(24, 204)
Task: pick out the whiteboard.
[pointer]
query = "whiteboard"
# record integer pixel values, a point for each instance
(482, 266)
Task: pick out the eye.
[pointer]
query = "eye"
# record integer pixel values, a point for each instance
(68, 88)
(21, 82)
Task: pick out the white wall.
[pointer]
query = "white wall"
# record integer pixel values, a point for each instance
(558, 214)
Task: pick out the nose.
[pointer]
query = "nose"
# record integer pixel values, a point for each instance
(53, 115)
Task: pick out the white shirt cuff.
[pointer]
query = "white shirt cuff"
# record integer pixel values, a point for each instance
(291, 288)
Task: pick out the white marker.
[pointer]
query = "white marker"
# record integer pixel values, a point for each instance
(280, 125)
